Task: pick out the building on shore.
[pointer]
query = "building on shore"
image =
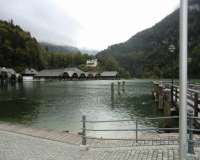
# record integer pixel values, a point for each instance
(92, 63)
(8, 74)
(64, 73)
(74, 74)
(29, 74)
(50, 74)
(92, 75)
(109, 75)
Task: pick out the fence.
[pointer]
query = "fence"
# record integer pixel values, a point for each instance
(136, 129)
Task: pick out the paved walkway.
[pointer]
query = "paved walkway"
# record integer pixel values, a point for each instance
(22, 147)
(18, 142)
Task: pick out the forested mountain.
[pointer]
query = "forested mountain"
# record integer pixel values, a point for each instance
(19, 50)
(58, 48)
(146, 53)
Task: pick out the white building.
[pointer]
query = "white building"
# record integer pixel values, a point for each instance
(92, 63)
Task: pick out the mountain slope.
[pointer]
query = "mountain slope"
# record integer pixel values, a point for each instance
(18, 49)
(146, 54)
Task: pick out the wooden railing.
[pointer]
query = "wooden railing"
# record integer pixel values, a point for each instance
(192, 98)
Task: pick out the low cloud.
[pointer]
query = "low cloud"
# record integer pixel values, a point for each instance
(43, 18)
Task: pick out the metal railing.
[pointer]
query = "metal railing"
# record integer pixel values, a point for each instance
(136, 129)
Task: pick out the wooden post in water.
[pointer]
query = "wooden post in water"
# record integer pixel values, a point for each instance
(123, 86)
(167, 107)
(156, 91)
(112, 92)
(119, 86)
(160, 97)
(196, 103)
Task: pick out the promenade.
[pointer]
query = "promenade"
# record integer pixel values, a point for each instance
(18, 142)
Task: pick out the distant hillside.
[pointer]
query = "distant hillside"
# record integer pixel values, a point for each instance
(146, 53)
(59, 48)
(18, 49)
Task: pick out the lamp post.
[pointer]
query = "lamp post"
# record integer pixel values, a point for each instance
(171, 50)
(183, 40)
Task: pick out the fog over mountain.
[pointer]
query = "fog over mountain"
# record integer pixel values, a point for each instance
(92, 24)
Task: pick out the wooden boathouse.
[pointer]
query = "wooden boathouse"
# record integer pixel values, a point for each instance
(74, 74)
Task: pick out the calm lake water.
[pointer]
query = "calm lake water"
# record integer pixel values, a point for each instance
(59, 105)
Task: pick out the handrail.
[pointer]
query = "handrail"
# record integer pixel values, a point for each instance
(153, 130)
(139, 129)
(129, 120)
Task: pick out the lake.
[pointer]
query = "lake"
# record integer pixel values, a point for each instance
(59, 105)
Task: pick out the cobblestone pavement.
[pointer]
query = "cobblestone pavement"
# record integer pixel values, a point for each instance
(22, 147)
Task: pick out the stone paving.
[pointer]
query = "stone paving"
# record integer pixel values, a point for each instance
(21, 147)
(15, 146)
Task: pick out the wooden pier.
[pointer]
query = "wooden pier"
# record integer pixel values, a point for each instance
(167, 98)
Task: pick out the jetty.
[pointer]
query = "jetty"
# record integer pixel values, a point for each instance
(167, 98)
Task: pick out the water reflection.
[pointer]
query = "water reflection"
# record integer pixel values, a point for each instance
(59, 105)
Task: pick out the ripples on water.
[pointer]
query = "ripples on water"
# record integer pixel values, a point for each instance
(59, 105)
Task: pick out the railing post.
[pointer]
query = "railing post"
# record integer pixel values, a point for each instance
(136, 130)
(190, 142)
(196, 102)
(84, 130)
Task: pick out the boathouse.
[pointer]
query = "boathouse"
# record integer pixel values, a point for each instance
(29, 74)
(74, 73)
(92, 75)
(64, 73)
(109, 75)
(50, 74)
(8, 73)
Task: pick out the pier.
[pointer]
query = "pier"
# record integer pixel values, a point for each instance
(167, 98)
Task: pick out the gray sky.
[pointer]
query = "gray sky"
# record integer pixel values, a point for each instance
(93, 24)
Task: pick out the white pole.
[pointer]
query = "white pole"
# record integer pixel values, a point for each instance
(183, 79)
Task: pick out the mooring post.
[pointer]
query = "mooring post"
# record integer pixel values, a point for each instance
(119, 83)
(190, 141)
(156, 93)
(161, 97)
(112, 88)
(112, 92)
(136, 130)
(84, 130)
(167, 107)
(196, 103)
(123, 83)
(123, 86)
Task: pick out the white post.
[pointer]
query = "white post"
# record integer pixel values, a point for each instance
(183, 79)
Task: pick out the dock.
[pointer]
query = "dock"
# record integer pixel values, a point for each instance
(167, 98)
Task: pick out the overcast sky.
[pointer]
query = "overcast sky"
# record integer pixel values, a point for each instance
(93, 24)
